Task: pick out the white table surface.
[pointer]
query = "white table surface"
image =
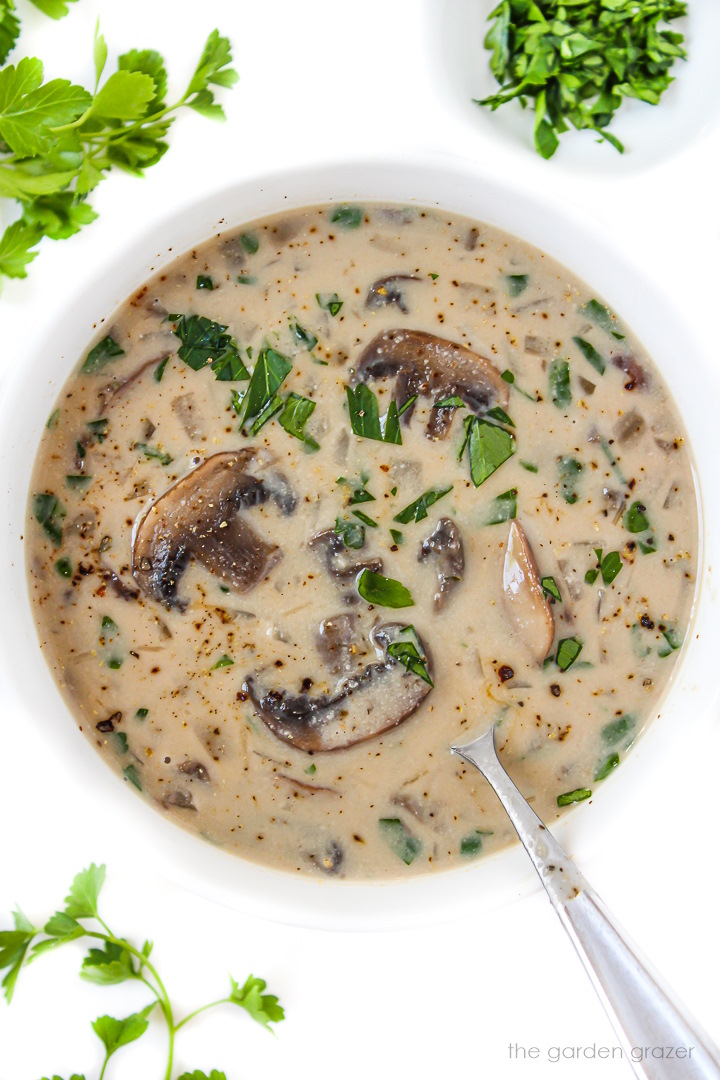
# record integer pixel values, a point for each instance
(323, 80)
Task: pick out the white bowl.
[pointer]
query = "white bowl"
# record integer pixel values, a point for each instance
(118, 825)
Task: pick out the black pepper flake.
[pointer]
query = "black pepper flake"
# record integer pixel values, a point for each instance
(106, 726)
(647, 622)
(555, 689)
(505, 672)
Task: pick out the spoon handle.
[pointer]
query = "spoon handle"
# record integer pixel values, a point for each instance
(660, 1039)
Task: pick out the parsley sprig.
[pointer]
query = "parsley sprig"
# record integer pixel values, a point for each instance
(577, 62)
(58, 140)
(112, 959)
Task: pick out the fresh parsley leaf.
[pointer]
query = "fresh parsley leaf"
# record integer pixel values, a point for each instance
(570, 797)
(49, 511)
(56, 9)
(559, 381)
(636, 519)
(360, 495)
(81, 901)
(265, 1009)
(490, 447)
(212, 70)
(205, 342)
(29, 111)
(383, 591)
(549, 587)
(348, 217)
(204, 281)
(329, 302)
(269, 373)
(399, 839)
(141, 714)
(472, 843)
(58, 216)
(270, 408)
(366, 520)
(397, 537)
(9, 29)
(14, 945)
(609, 566)
(502, 508)
(296, 412)
(567, 653)
(224, 661)
(160, 370)
(602, 317)
(591, 354)
(116, 1033)
(352, 533)
(610, 763)
(153, 452)
(498, 414)
(303, 337)
(569, 472)
(418, 510)
(407, 651)
(619, 729)
(16, 248)
(516, 283)
(197, 1074)
(125, 95)
(108, 966)
(365, 420)
(101, 355)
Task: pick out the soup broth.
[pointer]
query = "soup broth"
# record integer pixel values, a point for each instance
(340, 489)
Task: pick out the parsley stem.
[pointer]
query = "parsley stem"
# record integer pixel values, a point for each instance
(104, 1066)
(203, 1008)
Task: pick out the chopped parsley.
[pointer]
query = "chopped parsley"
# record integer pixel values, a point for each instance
(329, 302)
(204, 281)
(602, 317)
(567, 653)
(399, 838)
(418, 510)
(591, 354)
(153, 452)
(365, 420)
(269, 373)
(160, 370)
(64, 568)
(516, 283)
(570, 797)
(383, 591)
(249, 242)
(302, 336)
(101, 355)
(406, 650)
(549, 587)
(347, 217)
(490, 446)
(78, 481)
(49, 511)
(353, 534)
(610, 763)
(569, 471)
(502, 508)
(636, 519)
(619, 729)
(559, 382)
(205, 342)
(224, 661)
(296, 412)
(609, 566)
(472, 843)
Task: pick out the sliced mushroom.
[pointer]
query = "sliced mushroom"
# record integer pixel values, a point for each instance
(337, 641)
(637, 377)
(386, 292)
(380, 697)
(185, 407)
(524, 597)
(428, 366)
(630, 427)
(341, 561)
(110, 394)
(445, 546)
(116, 583)
(200, 517)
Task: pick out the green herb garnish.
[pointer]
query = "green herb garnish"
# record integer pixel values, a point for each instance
(609, 566)
(452, 402)
(397, 536)
(329, 302)
(108, 627)
(619, 729)
(78, 481)
(607, 766)
(64, 568)
(204, 281)
(59, 140)
(250, 242)
(418, 510)
(570, 797)
(296, 412)
(49, 511)
(635, 518)
(130, 773)
(205, 342)
(577, 62)
(674, 641)
(153, 452)
(567, 653)
(348, 217)
(353, 534)
(407, 651)
(105, 350)
(303, 337)
(246, 279)
(365, 420)
(383, 591)
(98, 428)
(472, 843)
(528, 466)
(502, 508)
(224, 661)
(366, 520)
(270, 409)
(559, 381)
(160, 369)
(591, 354)
(490, 447)
(141, 714)
(399, 839)
(602, 317)
(516, 283)
(111, 959)
(269, 373)
(569, 470)
(549, 587)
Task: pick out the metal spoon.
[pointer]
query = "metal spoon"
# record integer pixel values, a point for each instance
(641, 1010)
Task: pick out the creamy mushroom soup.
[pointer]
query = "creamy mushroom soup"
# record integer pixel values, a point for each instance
(337, 490)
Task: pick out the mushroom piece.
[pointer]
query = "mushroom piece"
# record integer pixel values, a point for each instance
(637, 376)
(336, 640)
(524, 597)
(338, 558)
(445, 545)
(428, 366)
(200, 517)
(114, 390)
(380, 697)
(386, 292)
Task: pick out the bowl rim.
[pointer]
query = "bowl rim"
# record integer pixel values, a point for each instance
(457, 185)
